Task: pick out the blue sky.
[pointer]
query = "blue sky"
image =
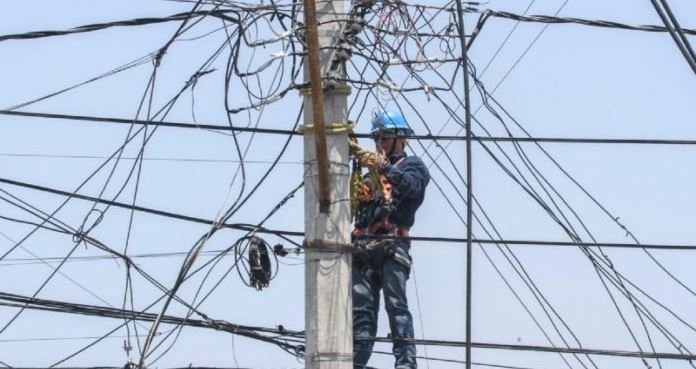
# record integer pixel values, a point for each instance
(575, 81)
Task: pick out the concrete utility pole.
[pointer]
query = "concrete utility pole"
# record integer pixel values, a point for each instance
(328, 292)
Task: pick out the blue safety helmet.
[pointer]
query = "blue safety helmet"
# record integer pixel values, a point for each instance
(389, 120)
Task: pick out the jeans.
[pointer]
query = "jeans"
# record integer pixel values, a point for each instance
(390, 275)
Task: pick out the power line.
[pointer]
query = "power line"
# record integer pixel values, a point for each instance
(285, 132)
(254, 332)
(184, 160)
(534, 348)
(224, 14)
(258, 229)
(475, 363)
(129, 366)
(548, 19)
(124, 23)
(48, 339)
(671, 23)
(238, 226)
(53, 259)
(150, 123)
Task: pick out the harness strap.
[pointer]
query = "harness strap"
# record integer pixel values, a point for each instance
(379, 228)
(382, 226)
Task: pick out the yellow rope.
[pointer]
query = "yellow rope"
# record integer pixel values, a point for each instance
(329, 128)
(366, 159)
(356, 182)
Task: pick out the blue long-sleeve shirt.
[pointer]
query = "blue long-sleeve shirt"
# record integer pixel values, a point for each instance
(408, 176)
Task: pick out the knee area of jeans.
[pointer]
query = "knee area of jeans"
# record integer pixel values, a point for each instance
(361, 290)
(364, 314)
(397, 308)
(361, 333)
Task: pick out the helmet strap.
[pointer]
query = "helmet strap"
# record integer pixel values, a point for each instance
(391, 150)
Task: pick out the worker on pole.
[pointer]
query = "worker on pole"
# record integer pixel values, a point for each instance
(387, 201)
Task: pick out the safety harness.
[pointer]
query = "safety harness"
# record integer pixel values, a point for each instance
(371, 204)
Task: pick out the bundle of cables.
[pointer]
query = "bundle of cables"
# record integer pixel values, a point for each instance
(257, 265)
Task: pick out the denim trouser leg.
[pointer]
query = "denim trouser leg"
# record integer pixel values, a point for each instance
(395, 276)
(365, 313)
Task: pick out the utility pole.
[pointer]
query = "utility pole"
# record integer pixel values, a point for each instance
(328, 258)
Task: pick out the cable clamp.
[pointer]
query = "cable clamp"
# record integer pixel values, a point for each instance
(330, 357)
(428, 90)
(394, 61)
(321, 245)
(388, 84)
(306, 91)
(288, 33)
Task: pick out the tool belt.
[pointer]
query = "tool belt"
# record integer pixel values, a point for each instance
(369, 247)
(369, 267)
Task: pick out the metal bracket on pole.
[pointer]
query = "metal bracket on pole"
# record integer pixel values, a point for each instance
(321, 245)
(345, 90)
(331, 357)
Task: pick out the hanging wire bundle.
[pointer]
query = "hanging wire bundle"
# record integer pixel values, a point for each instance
(258, 263)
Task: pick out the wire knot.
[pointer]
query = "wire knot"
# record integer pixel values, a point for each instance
(157, 60)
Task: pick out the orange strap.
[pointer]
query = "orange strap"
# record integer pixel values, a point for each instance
(382, 225)
(365, 195)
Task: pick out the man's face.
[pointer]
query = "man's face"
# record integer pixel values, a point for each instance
(389, 143)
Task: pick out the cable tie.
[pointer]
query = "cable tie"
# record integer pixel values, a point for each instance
(194, 78)
(427, 89)
(288, 33)
(158, 57)
(280, 250)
